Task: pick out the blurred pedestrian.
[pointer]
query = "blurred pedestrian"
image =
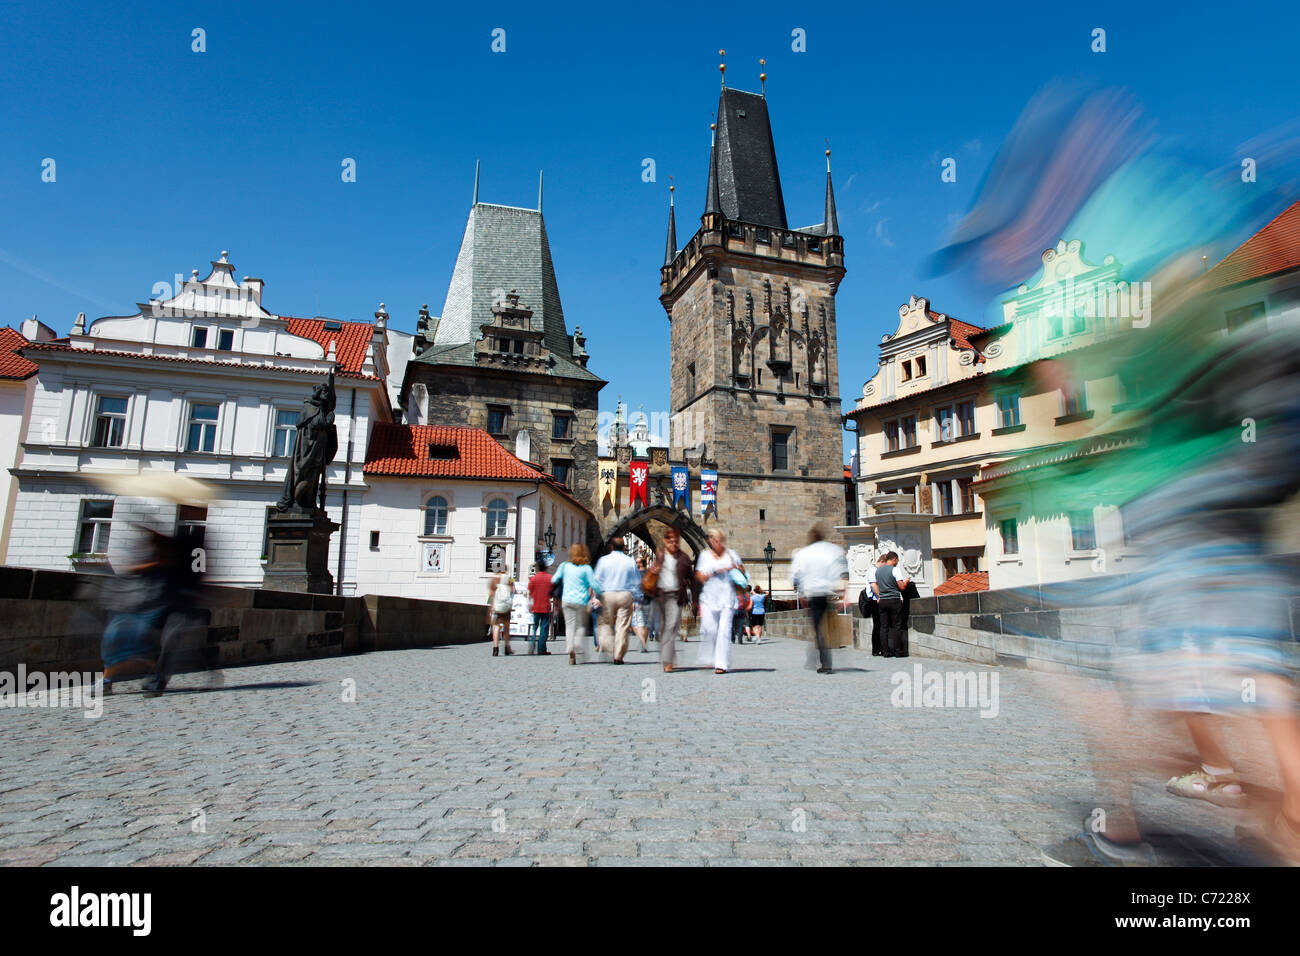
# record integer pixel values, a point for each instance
(758, 614)
(501, 600)
(820, 572)
(539, 590)
(675, 588)
(717, 601)
(618, 578)
(580, 593)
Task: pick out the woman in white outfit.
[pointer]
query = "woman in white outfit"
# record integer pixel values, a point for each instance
(717, 601)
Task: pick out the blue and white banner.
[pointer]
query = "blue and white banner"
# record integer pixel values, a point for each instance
(681, 486)
(708, 491)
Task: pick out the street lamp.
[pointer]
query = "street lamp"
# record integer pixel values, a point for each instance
(549, 538)
(768, 554)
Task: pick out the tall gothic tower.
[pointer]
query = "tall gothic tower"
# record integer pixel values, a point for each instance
(754, 380)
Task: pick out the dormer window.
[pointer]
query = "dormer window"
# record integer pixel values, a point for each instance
(439, 452)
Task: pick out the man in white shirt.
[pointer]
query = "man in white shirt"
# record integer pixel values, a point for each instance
(869, 605)
(618, 577)
(820, 572)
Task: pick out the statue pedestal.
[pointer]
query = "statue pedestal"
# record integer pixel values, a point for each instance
(892, 526)
(298, 553)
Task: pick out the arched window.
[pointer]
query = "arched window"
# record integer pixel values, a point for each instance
(435, 515)
(498, 512)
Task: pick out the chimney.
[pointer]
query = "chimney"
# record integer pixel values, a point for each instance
(253, 288)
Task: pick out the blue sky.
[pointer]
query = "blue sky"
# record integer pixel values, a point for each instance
(166, 156)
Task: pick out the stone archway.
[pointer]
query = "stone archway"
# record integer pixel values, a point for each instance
(637, 523)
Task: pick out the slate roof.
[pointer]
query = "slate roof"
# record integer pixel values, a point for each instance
(748, 181)
(1275, 248)
(503, 248)
(964, 583)
(12, 365)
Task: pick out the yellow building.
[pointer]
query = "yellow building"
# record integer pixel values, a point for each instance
(950, 399)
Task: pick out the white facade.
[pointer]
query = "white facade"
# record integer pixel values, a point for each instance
(148, 393)
(453, 561)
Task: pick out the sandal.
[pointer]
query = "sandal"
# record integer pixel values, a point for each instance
(1222, 791)
(668, 668)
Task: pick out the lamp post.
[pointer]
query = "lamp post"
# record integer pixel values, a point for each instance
(549, 538)
(768, 554)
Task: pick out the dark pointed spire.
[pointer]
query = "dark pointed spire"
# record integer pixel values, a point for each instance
(475, 203)
(832, 221)
(713, 203)
(670, 252)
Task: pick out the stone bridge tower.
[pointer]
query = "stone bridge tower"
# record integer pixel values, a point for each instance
(754, 364)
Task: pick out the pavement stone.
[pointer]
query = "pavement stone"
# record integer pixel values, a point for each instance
(453, 757)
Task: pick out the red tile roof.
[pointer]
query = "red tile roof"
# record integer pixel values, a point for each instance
(961, 333)
(13, 365)
(964, 583)
(65, 347)
(473, 453)
(1275, 248)
(350, 341)
(470, 453)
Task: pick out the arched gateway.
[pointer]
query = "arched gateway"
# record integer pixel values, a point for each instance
(637, 523)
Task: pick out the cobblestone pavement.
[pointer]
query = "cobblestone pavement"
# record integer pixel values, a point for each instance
(451, 756)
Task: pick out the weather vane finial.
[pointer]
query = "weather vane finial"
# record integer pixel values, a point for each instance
(722, 68)
(762, 76)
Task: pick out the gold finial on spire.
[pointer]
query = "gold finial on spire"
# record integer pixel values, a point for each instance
(762, 77)
(722, 68)
(828, 155)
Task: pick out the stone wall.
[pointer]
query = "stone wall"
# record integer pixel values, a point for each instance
(1067, 626)
(52, 621)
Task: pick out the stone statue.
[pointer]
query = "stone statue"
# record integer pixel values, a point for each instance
(315, 444)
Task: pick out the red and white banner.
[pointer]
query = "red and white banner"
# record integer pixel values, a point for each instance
(640, 471)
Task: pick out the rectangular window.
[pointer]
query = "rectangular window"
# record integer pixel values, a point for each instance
(93, 530)
(944, 427)
(950, 568)
(1055, 326)
(907, 430)
(199, 337)
(970, 564)
(891, 436)
(920, 366)
(519, 346)
(1010, 538)
(780, 449)
(497, 418)
(966, 418)
(374, 541)
(1083, 532)
(560, 470)
(226, 340)
(560, 427)
(943, 497)
(966, 495)
(192, 524)
(203, 428)
(1008, 409)
(110, 422)
(1075, 398)
(503, 345)
(286, 425)
(690, 381)
(1078, 321)
(907, 371)
(1239, 317)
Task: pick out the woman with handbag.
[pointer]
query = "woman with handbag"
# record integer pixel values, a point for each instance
(717, 600)
(578, 592)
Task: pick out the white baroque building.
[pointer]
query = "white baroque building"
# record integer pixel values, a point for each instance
(207, 384)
